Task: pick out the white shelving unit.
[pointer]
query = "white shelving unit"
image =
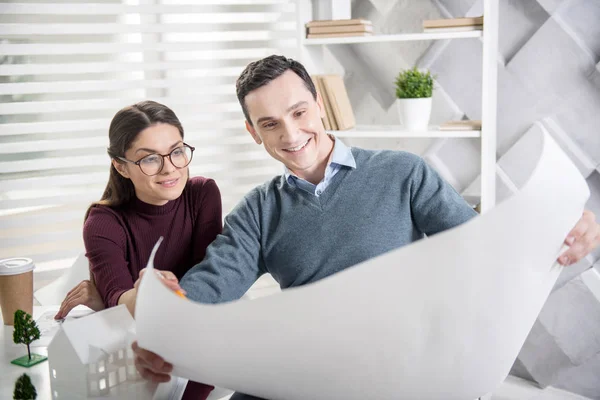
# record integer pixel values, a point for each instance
(398, 131)
(311, 55)
(403, 37)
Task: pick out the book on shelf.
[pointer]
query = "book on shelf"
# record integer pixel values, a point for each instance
(327, 99)
(336, 35)
(452, 22)
(340, 103)
(318, 87)
(455, 29)
(338, 110)
(337, 22)
(464, 125)
(338, 28)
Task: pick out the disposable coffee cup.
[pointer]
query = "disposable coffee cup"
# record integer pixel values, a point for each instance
(16, 287)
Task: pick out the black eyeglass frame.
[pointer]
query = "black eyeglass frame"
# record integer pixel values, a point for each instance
(162, 159)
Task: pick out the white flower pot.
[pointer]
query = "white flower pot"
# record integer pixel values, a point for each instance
(414, 113)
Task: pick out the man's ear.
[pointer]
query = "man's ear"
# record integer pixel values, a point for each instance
(253, 132)
(120, 168)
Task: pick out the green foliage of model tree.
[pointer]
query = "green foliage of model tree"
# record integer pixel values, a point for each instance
(24, 389)
(414, 84)
(26, 330)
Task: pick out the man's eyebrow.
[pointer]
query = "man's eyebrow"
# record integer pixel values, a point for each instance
(154, 151)
(297, 105)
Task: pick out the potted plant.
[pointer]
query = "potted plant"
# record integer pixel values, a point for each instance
(413, 90)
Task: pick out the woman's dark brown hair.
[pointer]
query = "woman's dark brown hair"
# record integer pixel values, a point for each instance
(124, 129)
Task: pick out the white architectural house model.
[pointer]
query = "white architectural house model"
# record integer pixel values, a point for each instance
(91, 357)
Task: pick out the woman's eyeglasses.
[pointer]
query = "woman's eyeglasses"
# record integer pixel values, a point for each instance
(152, 164)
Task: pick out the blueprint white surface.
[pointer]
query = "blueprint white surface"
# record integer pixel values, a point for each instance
(442, 318)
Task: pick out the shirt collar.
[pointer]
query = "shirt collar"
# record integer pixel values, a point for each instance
(341, 155)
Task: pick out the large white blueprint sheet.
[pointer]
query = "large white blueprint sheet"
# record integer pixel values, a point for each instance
(443, 318)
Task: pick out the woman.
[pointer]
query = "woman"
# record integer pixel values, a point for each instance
(148, 195)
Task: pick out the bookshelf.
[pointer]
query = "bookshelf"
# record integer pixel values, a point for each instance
(311, 54)
(398, 131)
(403, 37)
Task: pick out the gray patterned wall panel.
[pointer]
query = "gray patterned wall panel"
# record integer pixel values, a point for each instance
(548, 77)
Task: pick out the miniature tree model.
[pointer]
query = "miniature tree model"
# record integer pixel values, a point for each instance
(24, 389)
(26, 331)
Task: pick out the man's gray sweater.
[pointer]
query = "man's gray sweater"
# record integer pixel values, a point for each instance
(389, 200)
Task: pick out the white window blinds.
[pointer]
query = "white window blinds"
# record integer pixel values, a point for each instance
(66, 68)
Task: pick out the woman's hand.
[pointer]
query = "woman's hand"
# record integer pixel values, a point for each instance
(167, 277)
(85, 293)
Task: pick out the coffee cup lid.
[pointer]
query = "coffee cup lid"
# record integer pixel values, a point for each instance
(14, 266)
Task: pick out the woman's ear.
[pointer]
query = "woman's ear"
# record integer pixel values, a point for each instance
(120, 169)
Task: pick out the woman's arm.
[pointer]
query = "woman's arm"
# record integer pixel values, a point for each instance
(128, 298)
(105, 243)
(105, 239)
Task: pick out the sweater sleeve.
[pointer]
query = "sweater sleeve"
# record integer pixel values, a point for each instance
(106, 246)
(233, 261)
(209, 218)
(435, 205)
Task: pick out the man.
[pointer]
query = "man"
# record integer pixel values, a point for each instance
(333, 207)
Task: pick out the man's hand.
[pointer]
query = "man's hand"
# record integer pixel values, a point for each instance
(84, 293)
(582, 239)
(150, 365)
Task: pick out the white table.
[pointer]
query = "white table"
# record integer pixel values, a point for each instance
(512, 389)
(40, 375)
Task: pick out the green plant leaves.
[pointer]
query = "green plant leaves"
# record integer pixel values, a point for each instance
(24, 389)
(26, 330)
(414, 84)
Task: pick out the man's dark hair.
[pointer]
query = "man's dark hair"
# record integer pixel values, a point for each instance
(259, 73)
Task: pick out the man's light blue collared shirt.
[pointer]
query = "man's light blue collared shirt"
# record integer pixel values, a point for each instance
(341, 157)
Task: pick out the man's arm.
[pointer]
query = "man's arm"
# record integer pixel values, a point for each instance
(233, 261)
(435, 205)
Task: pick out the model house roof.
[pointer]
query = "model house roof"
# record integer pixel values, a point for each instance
(107, 330)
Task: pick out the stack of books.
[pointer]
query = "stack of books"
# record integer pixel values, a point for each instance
(465, 125)
(453, 24)
(338, 110)
(338, 28)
